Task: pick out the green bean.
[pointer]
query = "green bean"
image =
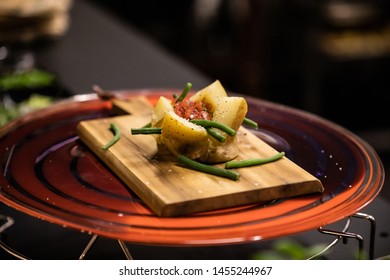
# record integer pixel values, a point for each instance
(252, 162)
(216, 135)
(250, 123)
(146, 130)
(184, 93)
(208, 168)
(208, 124)
(117, 134)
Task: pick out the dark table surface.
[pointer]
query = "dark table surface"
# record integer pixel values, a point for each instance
(97, 49)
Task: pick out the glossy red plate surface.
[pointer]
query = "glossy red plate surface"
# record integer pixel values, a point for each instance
(47, 172)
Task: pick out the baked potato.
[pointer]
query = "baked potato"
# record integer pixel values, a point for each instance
(181, 136)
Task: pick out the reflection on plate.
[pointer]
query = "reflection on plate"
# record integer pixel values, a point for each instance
(49, 173)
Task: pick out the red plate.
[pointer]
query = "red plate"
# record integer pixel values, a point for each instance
(47, 172)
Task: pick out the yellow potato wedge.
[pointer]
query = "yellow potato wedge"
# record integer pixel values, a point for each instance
(231, 111)
(162, 106)
(179, 129)
(210, 95)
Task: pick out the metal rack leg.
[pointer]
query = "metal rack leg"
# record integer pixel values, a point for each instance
(94, 238)
(333, 243)
(8, 223)
(125, 249)
(341, 234)
(12, 251)
(345, 234)
(88, 247)
(372, 221)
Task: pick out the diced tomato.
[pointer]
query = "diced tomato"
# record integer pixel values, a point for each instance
(189, 110)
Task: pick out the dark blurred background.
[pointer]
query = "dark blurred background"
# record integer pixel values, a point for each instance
(328, 57)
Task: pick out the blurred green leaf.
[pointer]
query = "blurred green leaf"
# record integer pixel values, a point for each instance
(289, 249)
(34, 102)
(30, 79)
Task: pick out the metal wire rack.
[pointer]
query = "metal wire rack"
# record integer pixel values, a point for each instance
(342, 235)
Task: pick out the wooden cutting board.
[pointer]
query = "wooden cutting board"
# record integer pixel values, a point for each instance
(171, 189)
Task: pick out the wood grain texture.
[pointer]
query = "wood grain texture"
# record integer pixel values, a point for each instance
(171, 189)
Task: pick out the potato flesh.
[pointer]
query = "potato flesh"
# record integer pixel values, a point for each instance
(230, 111)
(210, 95)
(180, 136)
(179, 129)
(162, 106)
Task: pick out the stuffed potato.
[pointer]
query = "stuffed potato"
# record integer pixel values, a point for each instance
(179, 133)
